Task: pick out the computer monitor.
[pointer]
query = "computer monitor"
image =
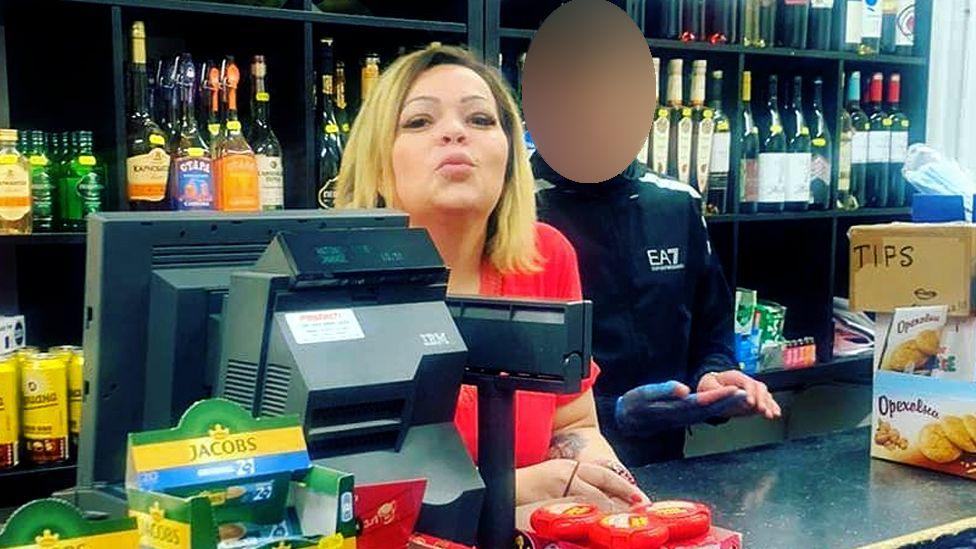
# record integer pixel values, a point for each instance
(154, 288)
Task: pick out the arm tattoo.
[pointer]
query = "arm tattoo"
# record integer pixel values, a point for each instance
(565, 446)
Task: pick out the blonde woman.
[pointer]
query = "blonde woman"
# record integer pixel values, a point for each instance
(440, 138)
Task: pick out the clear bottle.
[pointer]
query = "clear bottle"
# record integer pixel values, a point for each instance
(704, 128)
(748, 173)
(191, 176)
(147, 160)
(661, 128)
(15, 187)
(820, 150)
(682, 126)
(267, 149)
(772, 159)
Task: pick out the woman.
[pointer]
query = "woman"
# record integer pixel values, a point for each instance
(440, 138)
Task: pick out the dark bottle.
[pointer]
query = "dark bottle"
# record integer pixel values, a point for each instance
(850, 32)
(718, 166)
(147, 157)
(42, 184)
(720, 17)
(343, 117)
(859, 140)
(772, 159)
(191, 176)
(330, 144)
(820, 152)
(748, 172)
(797, 167)
(889, 25)
(672, 18)
(794, 18)
(879, 146)
(897, 188)
(693, 21)
(767, 23)
(821, 15)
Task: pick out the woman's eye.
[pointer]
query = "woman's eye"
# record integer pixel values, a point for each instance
(416, 122)
(483, 120)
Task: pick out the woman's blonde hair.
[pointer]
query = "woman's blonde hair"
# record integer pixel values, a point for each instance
(366, 178)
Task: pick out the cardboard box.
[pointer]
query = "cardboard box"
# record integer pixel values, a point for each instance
(925, 422)
(53, 523)
(908, 265)
(925, 341)
(13, 333)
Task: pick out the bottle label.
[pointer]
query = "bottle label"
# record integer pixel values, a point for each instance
(331, 128)
(271, 181)
(42, 191)
(905, 24)
(233, 125)
(90, 189)
(685, 131)
(37, 160)
(899, 147)
(326, 196)
(772, 186)
(797, 177)
(859, 147)
(15, 191)
(822, 4)
(721, 147)
(749, 176)
(703, 153)
(262, 97)
(195, 152)
(345, 127)
(214, 129)
(146, 175)
(890, 7)
(844, 168)
(237, 186)
(871, 20)
(87, 160)
(194, 183)
(819, 168)
(156, 139)
(879, 146)
(852, 28)
(642, 153)
(659, 144)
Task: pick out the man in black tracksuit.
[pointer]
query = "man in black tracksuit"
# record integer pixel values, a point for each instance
(662, 308)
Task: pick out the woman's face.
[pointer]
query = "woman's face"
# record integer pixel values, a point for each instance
(450, 151)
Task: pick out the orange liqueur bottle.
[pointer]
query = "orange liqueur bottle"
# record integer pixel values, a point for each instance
(235, 167)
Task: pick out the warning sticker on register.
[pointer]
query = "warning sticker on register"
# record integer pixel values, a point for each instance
(324, 326)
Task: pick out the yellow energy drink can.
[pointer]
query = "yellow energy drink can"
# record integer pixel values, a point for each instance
(24, 354)
(74, 360)
(9, 410)
(44, 392)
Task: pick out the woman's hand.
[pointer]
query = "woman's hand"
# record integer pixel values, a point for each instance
(559, 478)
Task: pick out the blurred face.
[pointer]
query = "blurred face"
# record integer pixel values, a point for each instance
(450, 151)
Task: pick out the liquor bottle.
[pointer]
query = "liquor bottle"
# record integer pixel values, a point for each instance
(748, 173)
(235, 168)
(794, 18)
(820, 152)
(850, 35)
(718, 166)
(216, 117)
(821, 14)
(330, 144)
(209, 103)
(845, 198)
(169, 101)
(672, 18)
(750, 23)
(267, 149)
(879, 147)
(693, 21)
(905, 28)
(897, 189)
(370, 74)
(15, 187)
(703, 119)
(682, 126)
(889, 25)
(859, 140)
(767, 24)
(661, 129)
(80, 188)
(720, 16)
(191, 175)
(147, 158)
(342, 112)
(796, 173)
(772, 159)
(42, 186)
(68, 151)
(870, 27)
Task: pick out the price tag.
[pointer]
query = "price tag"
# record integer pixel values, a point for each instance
(331, 128)
(8, 158)
(214, 129)
(194, 152)
(686, 111)
(722, 126)
(804, 131)
(886, 122)
(819, 142)
(661, 113)
(776, 129)
(345, 127)
(38, 160)
(87, 160)
(234, 125)
(262, 97)
(904, 123)
(157, 139)
(707, 114)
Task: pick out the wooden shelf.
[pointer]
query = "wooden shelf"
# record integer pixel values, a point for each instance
(850, 369)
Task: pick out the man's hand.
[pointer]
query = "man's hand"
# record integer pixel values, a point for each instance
(649, 409)
(758, 398)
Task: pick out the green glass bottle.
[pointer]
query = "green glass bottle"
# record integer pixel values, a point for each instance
(69, 144)
(42, 187)
(81, 187)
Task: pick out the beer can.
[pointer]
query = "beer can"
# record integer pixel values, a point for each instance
(24, 354)
(44, 390)
(74, 359)
(9, 410)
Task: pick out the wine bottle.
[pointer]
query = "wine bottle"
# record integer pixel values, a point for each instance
(870, 27)
(342, 113)
(748, 172)
(797, 166)
(673, 18)
(845, 198)
(905, 28)
(329, 143)
(772, 159)
(720, 17)
(820, 152)
(693, 21)
(850, 36)
(821, 14)
(859, 140)
(661, 130)
(750, 23)
(679, 162)
(897, 189)
(703, 129)
(879, 146)
(267, 149)
(767, 24)
(889, 25)
(718, 165)
(794, 18)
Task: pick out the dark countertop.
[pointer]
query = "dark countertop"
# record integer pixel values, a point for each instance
(820, 492)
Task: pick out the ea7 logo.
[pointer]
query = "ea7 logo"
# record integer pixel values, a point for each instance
(665, 259)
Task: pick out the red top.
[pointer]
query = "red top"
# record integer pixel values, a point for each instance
(534, 412)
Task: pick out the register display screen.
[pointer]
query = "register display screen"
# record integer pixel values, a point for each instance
(317, 254)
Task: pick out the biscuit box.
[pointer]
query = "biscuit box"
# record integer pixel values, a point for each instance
(926, 341)
(907, 265)
(926, 422)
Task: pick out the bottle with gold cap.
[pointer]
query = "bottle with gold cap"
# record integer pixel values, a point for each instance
(44, 394)
(9, 411)
(15, 187)
(370, 74)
